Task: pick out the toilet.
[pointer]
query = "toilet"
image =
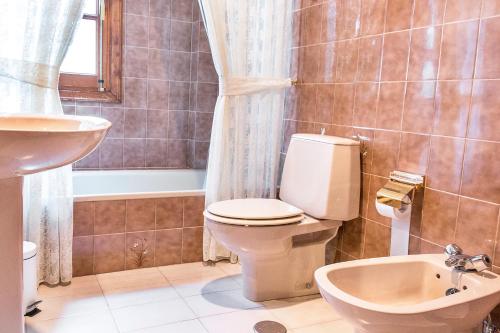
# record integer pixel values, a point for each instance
(280, 243)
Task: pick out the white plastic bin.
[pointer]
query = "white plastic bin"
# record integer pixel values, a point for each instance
(30, 295)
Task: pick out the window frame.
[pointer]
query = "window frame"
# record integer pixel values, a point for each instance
(84, 87)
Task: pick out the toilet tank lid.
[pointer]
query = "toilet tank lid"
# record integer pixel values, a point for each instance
(333, 140)
(29, 250)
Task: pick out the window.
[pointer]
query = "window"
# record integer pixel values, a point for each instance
(91, 69)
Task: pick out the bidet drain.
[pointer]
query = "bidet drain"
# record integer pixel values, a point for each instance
(268, 326)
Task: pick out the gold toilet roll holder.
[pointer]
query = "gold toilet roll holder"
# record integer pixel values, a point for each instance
(400, 189)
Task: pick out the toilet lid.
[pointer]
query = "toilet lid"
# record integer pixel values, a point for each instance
(253, 223)
(254, 209)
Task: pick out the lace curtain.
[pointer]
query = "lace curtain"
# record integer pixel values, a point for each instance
(250, 44)
(35, 35)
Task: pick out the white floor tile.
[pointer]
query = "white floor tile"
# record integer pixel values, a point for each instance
(136, 279)
(301, 311)
(93, 323)
(84, 285)
(191, 270)
(228, 268)
(66, 306)
(126, 297)
(338, 326)
(151, 314)
(236, 322)
(220, 302)
(190, 326)
(204, 285)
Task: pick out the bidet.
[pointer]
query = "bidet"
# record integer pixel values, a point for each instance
(408, 294)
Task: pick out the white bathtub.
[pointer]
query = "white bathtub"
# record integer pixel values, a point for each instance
(137, 184)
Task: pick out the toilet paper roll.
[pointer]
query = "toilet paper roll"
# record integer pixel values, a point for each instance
(393, 213)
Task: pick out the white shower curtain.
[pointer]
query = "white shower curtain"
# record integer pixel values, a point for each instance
(35, 35)
(250, 44)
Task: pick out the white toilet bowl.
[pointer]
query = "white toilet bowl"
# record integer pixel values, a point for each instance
(281, 242)
(278, 255)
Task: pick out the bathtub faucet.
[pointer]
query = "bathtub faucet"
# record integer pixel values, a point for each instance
(465, 263)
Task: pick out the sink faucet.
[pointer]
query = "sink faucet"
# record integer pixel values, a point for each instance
(465, 263)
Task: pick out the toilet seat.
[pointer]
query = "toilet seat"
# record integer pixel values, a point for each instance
(254, 212)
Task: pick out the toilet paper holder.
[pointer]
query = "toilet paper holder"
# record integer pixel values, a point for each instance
(399, 191)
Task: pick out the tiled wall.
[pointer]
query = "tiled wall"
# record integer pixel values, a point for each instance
(165, 117)
(421, 80)
(126, 234)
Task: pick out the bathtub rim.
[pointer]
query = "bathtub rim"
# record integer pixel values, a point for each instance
(136, 195)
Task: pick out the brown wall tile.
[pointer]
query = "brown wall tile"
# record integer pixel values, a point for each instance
(83, 255)
(458, 50)
(476, 226)
(192, 238)
(193, 211)
(140, 249)
(140, 215)
(377, 240)
(83, 218)
(109, 253)
(169, 213)
(484, 122)
(428, 12)
(452, 107)
(399, 14)
(168, 247)
(395, 60)
(445, 164)
(109, 217)
(480, 176)
(439, 217)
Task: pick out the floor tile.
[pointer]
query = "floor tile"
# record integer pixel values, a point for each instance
(190, 326)
(94, 323)
(220, 302)
(79, 286)
(236, 322)
(66, 306)
(191, 270)
(204, 285)
(301, 311)
(228, 268)
(119, 298)
(131, 280)
(151, 314)
(338, 326)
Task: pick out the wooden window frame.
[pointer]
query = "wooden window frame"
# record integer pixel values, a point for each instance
(83, 87)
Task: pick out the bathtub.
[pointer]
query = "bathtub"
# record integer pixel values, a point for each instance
(137, 184)
(128, 219)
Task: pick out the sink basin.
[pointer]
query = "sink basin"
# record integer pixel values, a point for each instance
(34, 143)
(30, 144)
(408, 294)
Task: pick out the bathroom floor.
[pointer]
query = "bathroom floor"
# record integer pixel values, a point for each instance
(187, 298)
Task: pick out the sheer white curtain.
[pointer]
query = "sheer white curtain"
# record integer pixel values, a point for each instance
(35, 35)
(250, 44)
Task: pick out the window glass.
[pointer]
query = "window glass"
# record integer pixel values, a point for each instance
(90, 7)
(81, 56)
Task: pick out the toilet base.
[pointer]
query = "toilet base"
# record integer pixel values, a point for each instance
(288, 275)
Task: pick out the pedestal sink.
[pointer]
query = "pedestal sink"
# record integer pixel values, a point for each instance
(31, 144)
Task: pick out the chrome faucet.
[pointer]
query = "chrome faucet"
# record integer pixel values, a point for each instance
(465, 263)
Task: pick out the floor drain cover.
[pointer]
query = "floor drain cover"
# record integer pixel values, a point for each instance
(268, 326)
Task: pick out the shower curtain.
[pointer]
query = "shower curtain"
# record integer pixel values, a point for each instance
(250, 44)
(35, 35)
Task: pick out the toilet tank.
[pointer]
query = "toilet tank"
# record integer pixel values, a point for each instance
(321, 175)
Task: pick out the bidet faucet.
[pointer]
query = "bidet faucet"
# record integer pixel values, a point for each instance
(465, 263)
